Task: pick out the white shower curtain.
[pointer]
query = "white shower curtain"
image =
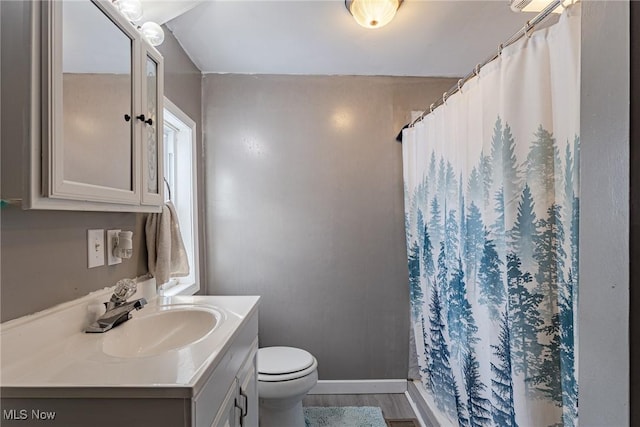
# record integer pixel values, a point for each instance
(492, 209)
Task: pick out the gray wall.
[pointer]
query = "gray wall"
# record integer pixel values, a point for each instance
(603, 353)
(43, 255)
(305, 207)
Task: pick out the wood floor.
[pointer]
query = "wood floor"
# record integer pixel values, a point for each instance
(394, 406)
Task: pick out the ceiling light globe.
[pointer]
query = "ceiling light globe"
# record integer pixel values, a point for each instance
(131, 9)
(153, 33)
(373, 13)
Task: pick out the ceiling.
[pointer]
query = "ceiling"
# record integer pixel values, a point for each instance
(426, 38)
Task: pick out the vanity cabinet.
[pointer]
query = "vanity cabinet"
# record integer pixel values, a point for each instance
(49, 367)
(237, 404)
(240, 405)
(96, 128)
(249, 388)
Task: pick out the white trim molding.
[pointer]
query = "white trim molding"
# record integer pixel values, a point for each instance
(418, 402)
(360, 387)
(416, 409)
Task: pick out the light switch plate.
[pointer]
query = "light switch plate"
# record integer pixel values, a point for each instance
(112, 237)
(95, 248)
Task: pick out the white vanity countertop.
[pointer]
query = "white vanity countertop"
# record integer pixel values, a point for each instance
(44, 356)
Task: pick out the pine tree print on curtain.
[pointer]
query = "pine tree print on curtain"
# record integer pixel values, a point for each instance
(492, 207)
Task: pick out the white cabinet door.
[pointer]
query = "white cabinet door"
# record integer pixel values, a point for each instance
(88, 134)
(229, 413)
(152, 132)
(249, 393)
(234, 404)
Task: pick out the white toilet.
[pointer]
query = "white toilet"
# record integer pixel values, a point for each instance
(285, 376)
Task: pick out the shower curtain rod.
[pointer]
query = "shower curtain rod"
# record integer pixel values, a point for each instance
(529, 26)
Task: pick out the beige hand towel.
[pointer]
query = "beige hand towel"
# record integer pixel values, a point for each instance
(165, 249)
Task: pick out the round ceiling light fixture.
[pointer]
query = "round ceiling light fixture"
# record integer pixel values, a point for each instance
(131, 9)
(373, 13)
(153, 33)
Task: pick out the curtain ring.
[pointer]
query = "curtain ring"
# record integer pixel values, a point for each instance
(500, 49)
(460, 85)
(444, 97)
(564, 5)
(527, 29)
(476, 70)
(431, 107)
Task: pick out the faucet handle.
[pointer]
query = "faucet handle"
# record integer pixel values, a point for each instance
(125, 288)
(140, 303)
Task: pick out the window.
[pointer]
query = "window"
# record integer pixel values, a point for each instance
(181, 188)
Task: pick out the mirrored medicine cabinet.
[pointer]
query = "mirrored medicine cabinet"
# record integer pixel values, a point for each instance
(96, 140)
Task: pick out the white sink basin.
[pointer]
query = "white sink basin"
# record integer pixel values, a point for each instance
(158, 332)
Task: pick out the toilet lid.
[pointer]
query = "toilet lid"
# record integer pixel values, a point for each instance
(283, 360)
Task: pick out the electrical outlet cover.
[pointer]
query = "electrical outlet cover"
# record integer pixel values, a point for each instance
(95, 248)
(112, 237)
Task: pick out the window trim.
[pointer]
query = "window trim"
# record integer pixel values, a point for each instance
(187, 287)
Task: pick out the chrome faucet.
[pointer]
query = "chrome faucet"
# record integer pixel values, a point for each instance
(118, 308)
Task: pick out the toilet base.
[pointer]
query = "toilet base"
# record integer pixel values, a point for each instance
(280, 397)
(281, 414)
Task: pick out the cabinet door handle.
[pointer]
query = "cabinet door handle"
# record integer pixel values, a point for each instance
(127, 117)
(142, 118)
(243, 407)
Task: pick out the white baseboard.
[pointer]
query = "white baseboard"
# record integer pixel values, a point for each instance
(359, 387)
